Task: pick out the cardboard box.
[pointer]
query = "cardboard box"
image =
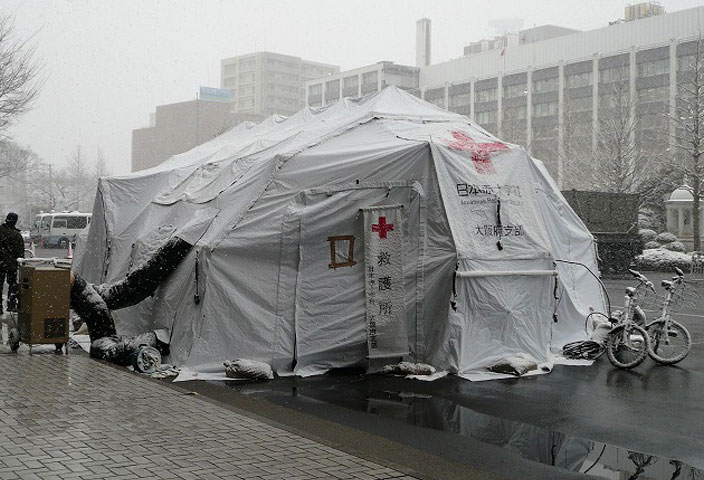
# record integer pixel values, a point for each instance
(45, 297)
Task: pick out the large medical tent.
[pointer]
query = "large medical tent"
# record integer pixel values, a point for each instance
(364, 232)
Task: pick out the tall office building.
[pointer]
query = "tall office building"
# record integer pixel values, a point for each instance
(557, 90)
(553, 89)
(266, 83)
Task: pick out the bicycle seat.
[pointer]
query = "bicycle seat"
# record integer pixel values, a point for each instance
(667, 284)
(630, 291)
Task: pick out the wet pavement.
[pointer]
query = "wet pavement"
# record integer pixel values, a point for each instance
(73, 417)
(643, 423)
(68, 416)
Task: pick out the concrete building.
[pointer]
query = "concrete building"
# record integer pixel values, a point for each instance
(552, 89)
(361, 81)
(265, 83)
(178, 127)
(555, 88)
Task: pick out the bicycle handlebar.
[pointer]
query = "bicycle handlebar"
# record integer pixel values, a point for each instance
(642, 278)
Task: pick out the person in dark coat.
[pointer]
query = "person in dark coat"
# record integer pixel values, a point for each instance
(11, 248)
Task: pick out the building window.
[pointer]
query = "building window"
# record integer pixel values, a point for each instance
(230, 69)
(332, 89)
(545, 85)
(545, 109)
(515, 113)
(579, 80)
(582, 104)
(655, 94)
(486, 118)
(518, 90)
(369, 78)
(485, 95)
(350, 82)
(657, 67)
(341, 251)
(246, 91)
(438, 102)
(460, 100)
(246, 78)
(248, 64)
(316, 89)
(686, 62)
(614, 74)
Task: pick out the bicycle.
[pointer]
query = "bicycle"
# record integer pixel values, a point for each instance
(626, 342)
(669, 341)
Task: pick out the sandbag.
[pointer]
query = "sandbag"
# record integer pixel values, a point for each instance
(518, 364)
(408, 368)
(242, 368)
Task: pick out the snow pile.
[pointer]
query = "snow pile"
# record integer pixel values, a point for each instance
(242, 368)
(408, 368)
(517, 364)
(660, 259)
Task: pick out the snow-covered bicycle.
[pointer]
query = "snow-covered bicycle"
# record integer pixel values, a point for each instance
(626, 342)
(670, 342)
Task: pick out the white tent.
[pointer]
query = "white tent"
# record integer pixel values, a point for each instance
(282, 269)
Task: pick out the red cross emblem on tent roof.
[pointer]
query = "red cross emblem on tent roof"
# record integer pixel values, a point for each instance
(479, 152)
(382, 227)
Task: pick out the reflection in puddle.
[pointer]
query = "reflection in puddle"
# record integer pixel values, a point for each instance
(531, 442)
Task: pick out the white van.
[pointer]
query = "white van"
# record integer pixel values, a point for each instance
(57, 229)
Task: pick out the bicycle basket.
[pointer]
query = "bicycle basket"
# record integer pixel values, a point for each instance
(685, 296)
(647, 299)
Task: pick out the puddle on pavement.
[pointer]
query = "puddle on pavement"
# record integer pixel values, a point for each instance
(531, 442)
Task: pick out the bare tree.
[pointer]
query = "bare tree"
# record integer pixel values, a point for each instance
(14, 161)
(19, 74)
(101, 166)
(621, 164)
(577, 168)
(76, 181)
(689, 130)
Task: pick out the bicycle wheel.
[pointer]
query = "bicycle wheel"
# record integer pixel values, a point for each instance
(627, 346)
(668, 347)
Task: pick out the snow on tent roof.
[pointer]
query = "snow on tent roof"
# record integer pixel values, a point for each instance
(262, 202)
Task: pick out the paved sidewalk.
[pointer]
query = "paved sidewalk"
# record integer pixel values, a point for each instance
(65, 417)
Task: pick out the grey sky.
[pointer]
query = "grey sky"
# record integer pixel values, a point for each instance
(108, 64)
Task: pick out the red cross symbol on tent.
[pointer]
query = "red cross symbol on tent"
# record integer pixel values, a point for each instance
(382, 227)
(479, 151)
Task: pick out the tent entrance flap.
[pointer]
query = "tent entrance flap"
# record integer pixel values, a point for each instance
(331, 301)
(503, 308)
